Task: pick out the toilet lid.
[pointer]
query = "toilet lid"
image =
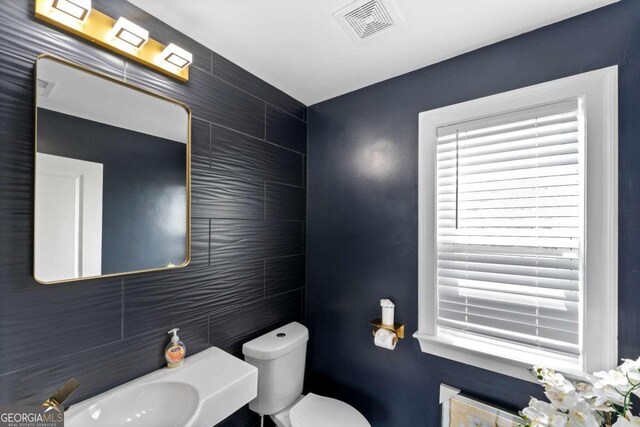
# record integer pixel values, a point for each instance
(319, 411)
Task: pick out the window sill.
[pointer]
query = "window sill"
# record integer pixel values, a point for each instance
(516, 365)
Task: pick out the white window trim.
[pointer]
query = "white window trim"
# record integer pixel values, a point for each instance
(599, 92)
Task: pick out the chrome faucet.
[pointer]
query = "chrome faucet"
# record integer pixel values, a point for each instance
(61, 394)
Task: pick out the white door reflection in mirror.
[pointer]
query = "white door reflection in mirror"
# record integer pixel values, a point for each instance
(68, 218)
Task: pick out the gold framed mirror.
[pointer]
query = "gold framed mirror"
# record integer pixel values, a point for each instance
(112, 176)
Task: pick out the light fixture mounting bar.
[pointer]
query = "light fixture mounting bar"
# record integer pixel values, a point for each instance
(98, 28)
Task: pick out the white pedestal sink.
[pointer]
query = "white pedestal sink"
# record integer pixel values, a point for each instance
(209, 387)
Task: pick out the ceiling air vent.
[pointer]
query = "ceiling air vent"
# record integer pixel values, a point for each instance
(44, 88)
(366, 18)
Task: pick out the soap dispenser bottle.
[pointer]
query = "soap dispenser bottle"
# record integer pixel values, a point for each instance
(175, 351)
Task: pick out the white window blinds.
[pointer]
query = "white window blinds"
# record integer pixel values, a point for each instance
(510, 227)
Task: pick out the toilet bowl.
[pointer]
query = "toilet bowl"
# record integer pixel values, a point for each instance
(319, 411)
(280, 358)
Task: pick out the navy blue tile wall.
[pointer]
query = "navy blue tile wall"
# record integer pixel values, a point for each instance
(286, 130)
(232, 326)
(363, 216)
(284, 274)
(240, 155)
(247, 269)
(285, 202)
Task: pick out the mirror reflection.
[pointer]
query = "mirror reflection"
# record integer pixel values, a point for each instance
(111, 184)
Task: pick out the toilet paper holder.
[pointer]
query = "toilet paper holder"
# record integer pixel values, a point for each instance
(398, 328)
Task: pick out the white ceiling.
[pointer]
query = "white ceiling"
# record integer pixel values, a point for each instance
(298, 46)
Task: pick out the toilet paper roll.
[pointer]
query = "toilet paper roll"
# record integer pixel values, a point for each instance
(384, 338)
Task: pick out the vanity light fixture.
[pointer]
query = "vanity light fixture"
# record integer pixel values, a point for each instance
(122, 36)
(175, 55)
(78, 9)
(130, 33)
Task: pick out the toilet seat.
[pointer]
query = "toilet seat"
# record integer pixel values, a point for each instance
(319, 411)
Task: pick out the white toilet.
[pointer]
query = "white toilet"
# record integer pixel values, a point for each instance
(280, 358)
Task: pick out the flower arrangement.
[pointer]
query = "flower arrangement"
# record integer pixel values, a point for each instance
(604, 399)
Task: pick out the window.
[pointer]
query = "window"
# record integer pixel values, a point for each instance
(518, 228)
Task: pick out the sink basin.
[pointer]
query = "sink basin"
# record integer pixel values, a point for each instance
(209, 387)
(143, 405)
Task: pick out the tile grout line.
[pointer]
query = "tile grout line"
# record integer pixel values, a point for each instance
(243, 305)
(285, 112)
(246, 134)
(251, 180)
(122, 309)
(305, 291)
(97, 347)
(265, 121)
(279, 294)
(210, 143)
(284, 256)
(305, 166)
(209, 219)
(284, 184)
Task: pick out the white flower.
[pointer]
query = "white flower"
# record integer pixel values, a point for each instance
(584, 389)
(630, 365)
(562, 400)
(541, 373)
(610, 388)
(582, 416)
(542, 414)
(559, 382)
(631, 370)
(558, 420)
(538, 413)
(602, 405)
(585, 404)
(552, 379)
(613, 378)
(623, 422)
(560, 391)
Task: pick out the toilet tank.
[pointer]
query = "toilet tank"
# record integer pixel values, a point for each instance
(280, 358)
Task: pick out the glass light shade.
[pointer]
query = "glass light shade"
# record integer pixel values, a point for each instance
(177, 56)
(130, 33)
(78, 9)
